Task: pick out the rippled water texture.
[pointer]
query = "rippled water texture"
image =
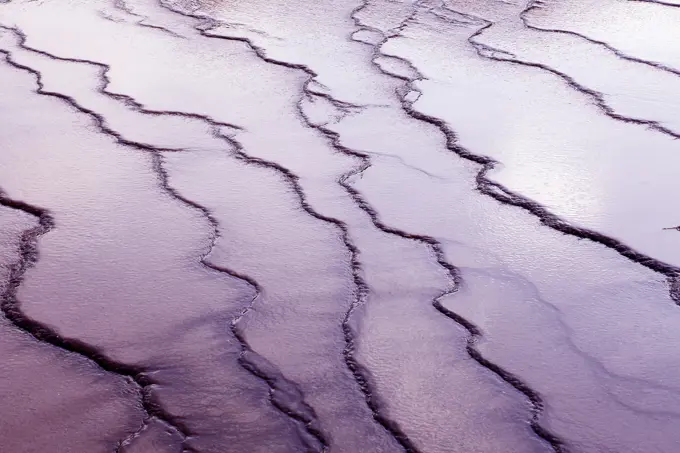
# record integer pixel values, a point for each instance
(281, 226)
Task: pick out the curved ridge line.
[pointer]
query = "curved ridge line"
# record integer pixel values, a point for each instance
(658, 2)
(486, 186)
(394, 32)
(359, 372)
(535, 399)
(208, 24)
(46, 334)
(506, 196)
(275, 382)
(598, 97)
(456, 280)
(141, 23)
(361, 375)
(534, 5)
(122, 6)
(98, 119)
(537, 405)
(369, 30)
(11, 308)
(103, 87)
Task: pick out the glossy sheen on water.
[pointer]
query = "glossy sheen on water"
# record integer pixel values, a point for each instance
(379, 226)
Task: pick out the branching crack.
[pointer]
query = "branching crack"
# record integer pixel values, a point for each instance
(284, 394)
(493, 53)
(278, 385)
(537, 4)
(11, 306)
(506, 196)
(455, 281)
(141, 20)
(361, 375)
(658, 2)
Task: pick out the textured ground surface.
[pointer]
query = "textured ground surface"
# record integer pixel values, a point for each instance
(275, 226)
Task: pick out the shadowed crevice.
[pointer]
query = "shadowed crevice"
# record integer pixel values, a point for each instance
(658, 2)
(361, 375)
(455, 279)
(141, 20)
(11, 308)
(436, 248)
(536, 5)
(392, 33)
(493, 53)
(506, 196)
(284, 395)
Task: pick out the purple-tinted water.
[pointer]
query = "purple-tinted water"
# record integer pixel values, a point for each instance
(380, 226)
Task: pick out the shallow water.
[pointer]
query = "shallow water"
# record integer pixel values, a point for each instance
(421, 226)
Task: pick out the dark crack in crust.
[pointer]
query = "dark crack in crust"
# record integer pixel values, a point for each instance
(284, 394)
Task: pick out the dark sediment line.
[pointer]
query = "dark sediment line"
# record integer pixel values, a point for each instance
(455, 278)
(595, 95)
(503, 195)
(105, 82)
(391, 33)
(485, 186)
(534, 5)
(360, 373)
(98, 119)
(122, 6)
(284, 394)
(474, 332)
(506, 196)
(208, 24)
(141, 23)
(673, 5)
(376, 48)
(11, 307)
